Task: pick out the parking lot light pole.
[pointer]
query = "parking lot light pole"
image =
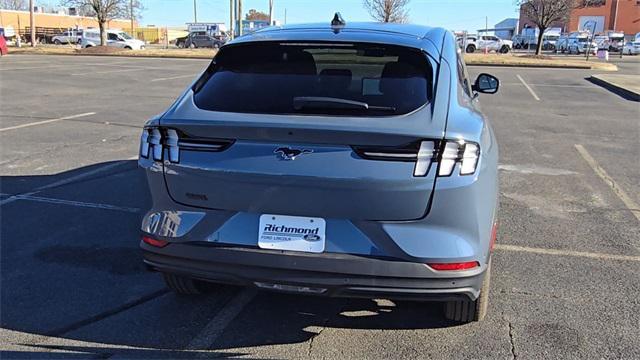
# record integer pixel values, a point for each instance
(32, 24)
(231, 34)
(195, 11)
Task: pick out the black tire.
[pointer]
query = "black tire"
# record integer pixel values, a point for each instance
(180, 45)
(57, 42)
(181, 284)
(466, 311)
(471, 49)
(504, 49)
(127, 47)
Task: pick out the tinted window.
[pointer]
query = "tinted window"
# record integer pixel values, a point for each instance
(272, 78)
(112, 36)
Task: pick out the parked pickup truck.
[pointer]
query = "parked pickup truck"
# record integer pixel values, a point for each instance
(485, 42)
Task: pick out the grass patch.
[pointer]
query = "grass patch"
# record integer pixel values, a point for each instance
(536, 61)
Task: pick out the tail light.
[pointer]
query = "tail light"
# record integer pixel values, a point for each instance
(454, 266)
(424, 153)
(155, 140)
(154, 242)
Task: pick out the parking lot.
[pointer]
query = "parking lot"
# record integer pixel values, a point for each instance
(565, 282)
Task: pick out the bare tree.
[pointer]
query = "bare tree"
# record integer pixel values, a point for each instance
(13, 4)
(544, 13)
(388, 10)
(105, 10)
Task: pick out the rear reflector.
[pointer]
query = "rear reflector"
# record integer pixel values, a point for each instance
(154, 242)
(454, 266)
(494, 236)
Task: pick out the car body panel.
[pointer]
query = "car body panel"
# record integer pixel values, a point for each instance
(380, 219)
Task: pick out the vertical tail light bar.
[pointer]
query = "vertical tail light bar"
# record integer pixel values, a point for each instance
(424, 153)
(144, 144)
(156, 144)
(172, 144)
(154, 140)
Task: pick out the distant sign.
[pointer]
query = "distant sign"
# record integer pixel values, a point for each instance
(209, 28)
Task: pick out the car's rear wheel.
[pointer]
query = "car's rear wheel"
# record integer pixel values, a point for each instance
(57, 42)
(504, 49)
(471, 49)
(466, 311)
(182, 285)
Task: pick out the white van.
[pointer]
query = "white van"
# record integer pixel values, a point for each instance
(116, 38)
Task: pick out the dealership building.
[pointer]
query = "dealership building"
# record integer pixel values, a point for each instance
(604, 15)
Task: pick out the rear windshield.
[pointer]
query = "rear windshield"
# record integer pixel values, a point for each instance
(329, 79)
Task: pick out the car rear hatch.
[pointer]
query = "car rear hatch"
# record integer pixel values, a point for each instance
(328, 130)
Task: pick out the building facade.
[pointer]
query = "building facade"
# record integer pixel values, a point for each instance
(19, 21)
(618, 15)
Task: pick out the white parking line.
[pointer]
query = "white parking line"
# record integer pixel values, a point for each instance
(63, 182)
(173, 77)
(46, 121)
(30, 197)
(210, 333)
(528, 87)
(622, 195)
(591, 255)
(109, 71)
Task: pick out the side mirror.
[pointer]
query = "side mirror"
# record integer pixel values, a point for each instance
(487, 84)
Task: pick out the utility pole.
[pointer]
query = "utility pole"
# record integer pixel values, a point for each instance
(239, 17)
(270, 12)
(231, 20)
(131, 13)
(32, 24)
(195, 11)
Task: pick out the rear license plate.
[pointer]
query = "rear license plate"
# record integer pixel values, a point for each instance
(295, 233)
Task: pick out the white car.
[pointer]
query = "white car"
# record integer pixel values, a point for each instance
(581, 45)
(631, 48)
(115, 38)
(487, 42)
(67, 37)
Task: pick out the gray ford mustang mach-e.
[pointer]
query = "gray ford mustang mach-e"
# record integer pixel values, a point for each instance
(329, 159)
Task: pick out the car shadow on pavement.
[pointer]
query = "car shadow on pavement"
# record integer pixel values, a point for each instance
(72, 279)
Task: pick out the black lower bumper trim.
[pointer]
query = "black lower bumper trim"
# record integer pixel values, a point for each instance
(367, 278)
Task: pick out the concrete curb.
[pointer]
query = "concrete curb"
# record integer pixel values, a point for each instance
(615, 88)
(118, 55)
(537, 66)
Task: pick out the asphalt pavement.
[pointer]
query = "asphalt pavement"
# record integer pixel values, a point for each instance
(565, 279)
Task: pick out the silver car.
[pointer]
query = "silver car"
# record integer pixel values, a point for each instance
(345, 160)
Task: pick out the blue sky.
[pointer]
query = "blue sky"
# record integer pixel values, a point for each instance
(452, 14)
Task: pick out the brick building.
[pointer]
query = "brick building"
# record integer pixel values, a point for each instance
(618, 15)
(19, 21)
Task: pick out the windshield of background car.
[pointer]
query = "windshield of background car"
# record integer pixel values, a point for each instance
(270, 78)
(125, 36)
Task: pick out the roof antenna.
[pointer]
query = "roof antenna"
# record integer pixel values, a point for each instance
(338, 20)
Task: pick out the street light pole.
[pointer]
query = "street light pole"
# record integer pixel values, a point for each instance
(239, 17)
(32, 24)
(131, 13)
(231, 20)
(195, 11)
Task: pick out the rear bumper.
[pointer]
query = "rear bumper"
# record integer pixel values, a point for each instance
(337, 275)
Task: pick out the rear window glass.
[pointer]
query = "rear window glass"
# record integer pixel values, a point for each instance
(329, 79)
